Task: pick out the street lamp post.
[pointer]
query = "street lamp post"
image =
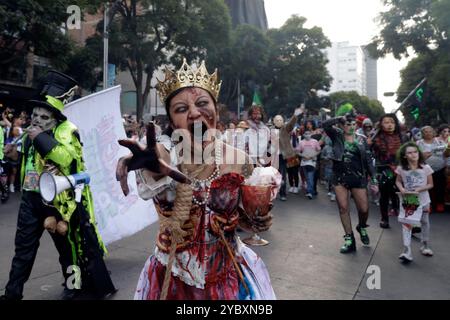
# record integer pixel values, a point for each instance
(105, 46)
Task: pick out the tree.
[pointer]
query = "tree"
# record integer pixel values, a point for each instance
(147, 34)
(421, 26)
(370, 107)
(34, 26)
(297, 64)
(436, 67)
(245, 60)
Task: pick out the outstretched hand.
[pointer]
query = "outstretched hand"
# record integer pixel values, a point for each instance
(149, 157)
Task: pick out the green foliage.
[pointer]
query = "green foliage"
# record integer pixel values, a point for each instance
(435, 66)
(370, 107)
(31, 25)
(82, 66)
(245, 59)
(297, 64)
(145, 35)
(418, 24)
(422, 26)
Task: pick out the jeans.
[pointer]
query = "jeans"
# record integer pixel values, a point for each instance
(309, 172)
(282, 169)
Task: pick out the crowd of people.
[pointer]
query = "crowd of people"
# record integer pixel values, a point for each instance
(351, 155)
(12, 125)
(197, 254)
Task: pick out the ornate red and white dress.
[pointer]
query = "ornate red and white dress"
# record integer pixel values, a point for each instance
(203, 267)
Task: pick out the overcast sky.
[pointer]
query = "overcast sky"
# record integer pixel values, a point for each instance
(343, 20)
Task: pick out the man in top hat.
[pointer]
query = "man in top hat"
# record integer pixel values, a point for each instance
(52, 143)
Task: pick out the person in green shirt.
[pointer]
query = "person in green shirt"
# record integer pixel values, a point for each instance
(52, 144)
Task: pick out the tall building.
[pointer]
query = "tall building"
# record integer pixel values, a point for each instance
(371, 75)
(352, 69)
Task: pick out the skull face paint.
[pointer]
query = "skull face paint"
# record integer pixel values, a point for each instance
(43, 119)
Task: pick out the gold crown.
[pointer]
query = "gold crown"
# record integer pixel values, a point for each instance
(188, 77)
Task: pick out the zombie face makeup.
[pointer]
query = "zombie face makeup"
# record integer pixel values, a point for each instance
(193, 109)
(43, 119)
(350, 127)
(278, 121)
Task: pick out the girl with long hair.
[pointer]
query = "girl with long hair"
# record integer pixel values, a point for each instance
(414, 176)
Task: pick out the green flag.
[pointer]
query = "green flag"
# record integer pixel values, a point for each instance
(416, 102)
(256, 99)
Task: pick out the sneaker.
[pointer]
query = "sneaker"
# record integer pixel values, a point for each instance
(291, 189)
(426, 251)
(309, 196)
(364, 236)
(296, 190)
(406, 256)
(349, 244)
(333, 197)
(283, 198)
(329, 194)
(11, 188)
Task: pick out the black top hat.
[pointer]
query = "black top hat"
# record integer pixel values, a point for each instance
(55, 91)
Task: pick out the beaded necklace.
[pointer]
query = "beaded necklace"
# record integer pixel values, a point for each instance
(197, 183)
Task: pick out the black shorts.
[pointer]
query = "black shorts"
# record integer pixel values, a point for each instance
(350, 181)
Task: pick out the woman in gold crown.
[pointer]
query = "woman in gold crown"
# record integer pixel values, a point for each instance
(198, 255)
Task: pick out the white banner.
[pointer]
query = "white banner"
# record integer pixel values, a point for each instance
(99, 121)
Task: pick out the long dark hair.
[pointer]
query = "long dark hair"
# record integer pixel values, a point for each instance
(392, 116)
(401, 155)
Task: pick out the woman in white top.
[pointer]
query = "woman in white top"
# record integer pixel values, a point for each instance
(433, 150)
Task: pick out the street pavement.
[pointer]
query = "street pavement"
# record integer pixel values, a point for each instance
(303, 257)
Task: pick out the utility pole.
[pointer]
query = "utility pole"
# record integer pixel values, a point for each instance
(239, 99)
(105, 46)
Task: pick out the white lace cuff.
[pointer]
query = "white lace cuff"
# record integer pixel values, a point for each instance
(148, 187)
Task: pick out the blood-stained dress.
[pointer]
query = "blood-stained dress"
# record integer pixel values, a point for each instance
(203, 268)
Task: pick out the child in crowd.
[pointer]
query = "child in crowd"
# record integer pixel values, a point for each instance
(414, 176)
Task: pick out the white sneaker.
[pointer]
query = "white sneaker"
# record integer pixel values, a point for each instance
(333, 197)
(329, 194)
(309, 196)
(426, 251)
(406, 256)
(296, 190)
(291, 189)
(11, 188)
